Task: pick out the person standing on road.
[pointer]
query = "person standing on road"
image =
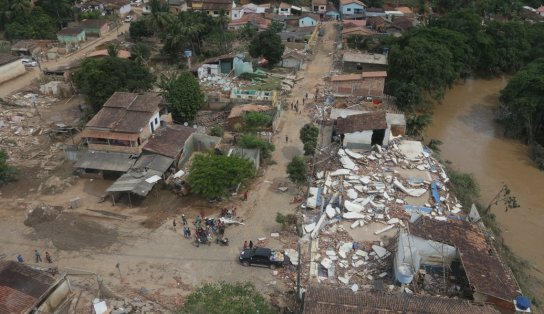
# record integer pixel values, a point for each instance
(174, 223)
(20, 259)
(250, 244)
(48, 257)
(286, 138)
(245, 245)
(38, 256)
(184, 220)
(245, 196)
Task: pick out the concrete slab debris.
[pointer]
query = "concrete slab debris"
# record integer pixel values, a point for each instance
(380, 251)
(326, 262)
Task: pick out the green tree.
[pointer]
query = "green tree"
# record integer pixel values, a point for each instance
(6, 171)
(61, 10)
(297, 171)
(267, 44)
(213, 175)
(98, 79)
(308, 135)
(140, 52)
(183, 94)
(226, 298)
(19, 7)
(256, 121)
(36, 25)
(113, 50)
(276, 26)
(140, 28)
(251, 141)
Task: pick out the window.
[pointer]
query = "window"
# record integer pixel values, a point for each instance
(215, 12)
(348, 9)
(156, 120)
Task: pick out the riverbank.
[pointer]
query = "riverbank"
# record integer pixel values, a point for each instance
(473, 142)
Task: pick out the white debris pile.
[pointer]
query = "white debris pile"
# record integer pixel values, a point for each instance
(384, 186)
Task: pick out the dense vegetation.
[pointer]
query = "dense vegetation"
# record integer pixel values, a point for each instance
(214, 175)
(226, 298)
(6, 171)
(426, 61)
(98, 79)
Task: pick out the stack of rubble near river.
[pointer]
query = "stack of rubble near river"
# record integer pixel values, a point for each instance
(385, 218)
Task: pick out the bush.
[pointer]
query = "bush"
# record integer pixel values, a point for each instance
(536, 152)
(286, 221)
(251, 141)
(6, 171)
(297, 170)
(464, 186)
(216, 131)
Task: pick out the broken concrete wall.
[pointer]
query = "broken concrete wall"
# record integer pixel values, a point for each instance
(412, 252)
(196, 143)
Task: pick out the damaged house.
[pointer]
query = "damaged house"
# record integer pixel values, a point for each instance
(369, 84)
(25, 289)
(361, 131)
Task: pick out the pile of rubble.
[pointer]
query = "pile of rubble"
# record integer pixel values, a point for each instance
(211, 118)
(125, 306)
(376, 190)
(23, 133)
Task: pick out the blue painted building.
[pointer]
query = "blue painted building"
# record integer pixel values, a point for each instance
(352, 7)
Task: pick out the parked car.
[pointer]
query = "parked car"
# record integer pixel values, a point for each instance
(29, 62)
(263, 257)
(128, 18)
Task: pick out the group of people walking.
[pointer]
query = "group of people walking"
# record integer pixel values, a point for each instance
(202, 228)
(38, 257)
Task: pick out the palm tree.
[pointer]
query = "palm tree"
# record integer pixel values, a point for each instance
(160, 15)
(19, 7)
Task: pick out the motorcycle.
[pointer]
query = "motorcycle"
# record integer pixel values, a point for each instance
(224, 241)
(202, 240)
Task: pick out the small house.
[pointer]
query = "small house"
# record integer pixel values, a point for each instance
(26, 289)
(10, 67)
(117, 7)
(124, 124)
(540, 10)
(369, 84)
(308, 20)
(332, 13)
(362, 131)
(235, 14)
(284, 9)
(292, 59)
(352, 7)
(357, 62)
(257, 21)
(177, 6)
(72, 35)
(214, 7)
(95, 27)
(356, 31)
(319, 6)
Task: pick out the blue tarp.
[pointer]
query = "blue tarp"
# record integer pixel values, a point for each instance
(411, 209)
(436, 196)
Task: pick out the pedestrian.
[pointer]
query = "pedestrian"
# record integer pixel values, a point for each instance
(174, 223)
(296, 108)
(245, 196)
(303, 101)
(286, 138)
(245, 244)
(292, 106)
(250, 244)
(297, 104)
(306, 96)
(184, 219)
(38, 256)
(20, 259)
(48, 257)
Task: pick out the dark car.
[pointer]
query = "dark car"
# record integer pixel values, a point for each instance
(263, 257)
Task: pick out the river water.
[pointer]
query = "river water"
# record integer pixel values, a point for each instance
(474, 143)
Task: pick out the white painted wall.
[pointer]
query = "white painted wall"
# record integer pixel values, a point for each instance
(155, 121)
(11, 70)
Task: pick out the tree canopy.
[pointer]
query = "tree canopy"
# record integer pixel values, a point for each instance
(226, 298)
(98, 79)
(267, 44)
(522, 103)
(251, 141)
(255, 121)
(213, 175)
(297, 171)
(308, 136)
(183, 95)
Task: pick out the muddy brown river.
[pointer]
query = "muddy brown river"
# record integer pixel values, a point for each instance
(474, 143)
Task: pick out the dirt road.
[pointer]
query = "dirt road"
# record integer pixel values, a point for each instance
(32, 74)
(160, 261)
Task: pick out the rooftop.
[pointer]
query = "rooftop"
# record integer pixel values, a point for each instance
(6, 58)
(238, 111)
(93, 23)
(21, 286)
(351, 23)
(485, 271)
(126, 112)
(346, 2)
(216, 5)
(362, 122)
(71, 31)
(319, 2)
(324, 300)
(123, 54)
(169, 141)
(362, 30)
(108, 161)
(369, 58)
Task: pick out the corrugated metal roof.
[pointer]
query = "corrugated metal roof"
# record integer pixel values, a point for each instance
(109, 135)
(326, 300)
(169, 140)
(108, 161)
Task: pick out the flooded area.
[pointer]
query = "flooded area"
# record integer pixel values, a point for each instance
(473, 142)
